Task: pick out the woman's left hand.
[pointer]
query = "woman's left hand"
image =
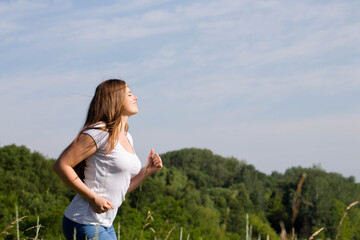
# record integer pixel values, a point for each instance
(153, 163)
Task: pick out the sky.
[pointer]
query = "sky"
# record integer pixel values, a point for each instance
(273, 83)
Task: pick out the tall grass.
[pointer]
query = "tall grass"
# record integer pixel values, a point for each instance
(149, 218)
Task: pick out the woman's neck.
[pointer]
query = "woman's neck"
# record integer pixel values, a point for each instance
(123, 124)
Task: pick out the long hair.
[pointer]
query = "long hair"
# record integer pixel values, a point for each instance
(106, 107)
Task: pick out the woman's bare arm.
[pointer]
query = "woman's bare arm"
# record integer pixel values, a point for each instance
(79, 150)
(153, 164)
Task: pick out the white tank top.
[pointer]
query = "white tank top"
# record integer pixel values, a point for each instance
(108, 176)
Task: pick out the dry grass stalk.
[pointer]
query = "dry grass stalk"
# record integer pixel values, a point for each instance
(227, 215)
(351, 205)
(97, 232)
(118, 233)
(38, 226)
(18, 220)
(148, 220)
(343, 218)
(166, 222)
(293, 233)
(250, 232)
(11, 225)
(17, 223)
(316, 233)
(74, 235)
(169, 233)
(283, 231)
(247, 227)
(297, 199)
(7, 228)
(140, 187)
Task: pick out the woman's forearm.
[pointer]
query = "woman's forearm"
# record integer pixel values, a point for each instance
(138, 179)
(153, 164)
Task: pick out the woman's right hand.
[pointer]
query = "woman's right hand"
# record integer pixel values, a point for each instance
(100, 204)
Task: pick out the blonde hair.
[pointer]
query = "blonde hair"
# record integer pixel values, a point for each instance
(106, 107)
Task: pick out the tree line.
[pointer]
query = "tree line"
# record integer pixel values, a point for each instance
(197, 195)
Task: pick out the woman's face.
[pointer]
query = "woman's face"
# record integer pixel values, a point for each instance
(130, 105)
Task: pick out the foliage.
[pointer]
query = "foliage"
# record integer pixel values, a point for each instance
(197, 194)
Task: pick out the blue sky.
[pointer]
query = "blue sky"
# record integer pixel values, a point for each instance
(274, 83)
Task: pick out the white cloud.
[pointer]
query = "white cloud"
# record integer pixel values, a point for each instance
(211, 9)
(7, 28)
(17, 6)
(122, 7)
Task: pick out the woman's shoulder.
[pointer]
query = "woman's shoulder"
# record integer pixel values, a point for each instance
(98, 132)
(99, 126)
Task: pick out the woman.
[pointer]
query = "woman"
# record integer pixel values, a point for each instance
(111, 169)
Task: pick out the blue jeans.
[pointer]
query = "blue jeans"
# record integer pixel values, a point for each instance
(84, 232)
